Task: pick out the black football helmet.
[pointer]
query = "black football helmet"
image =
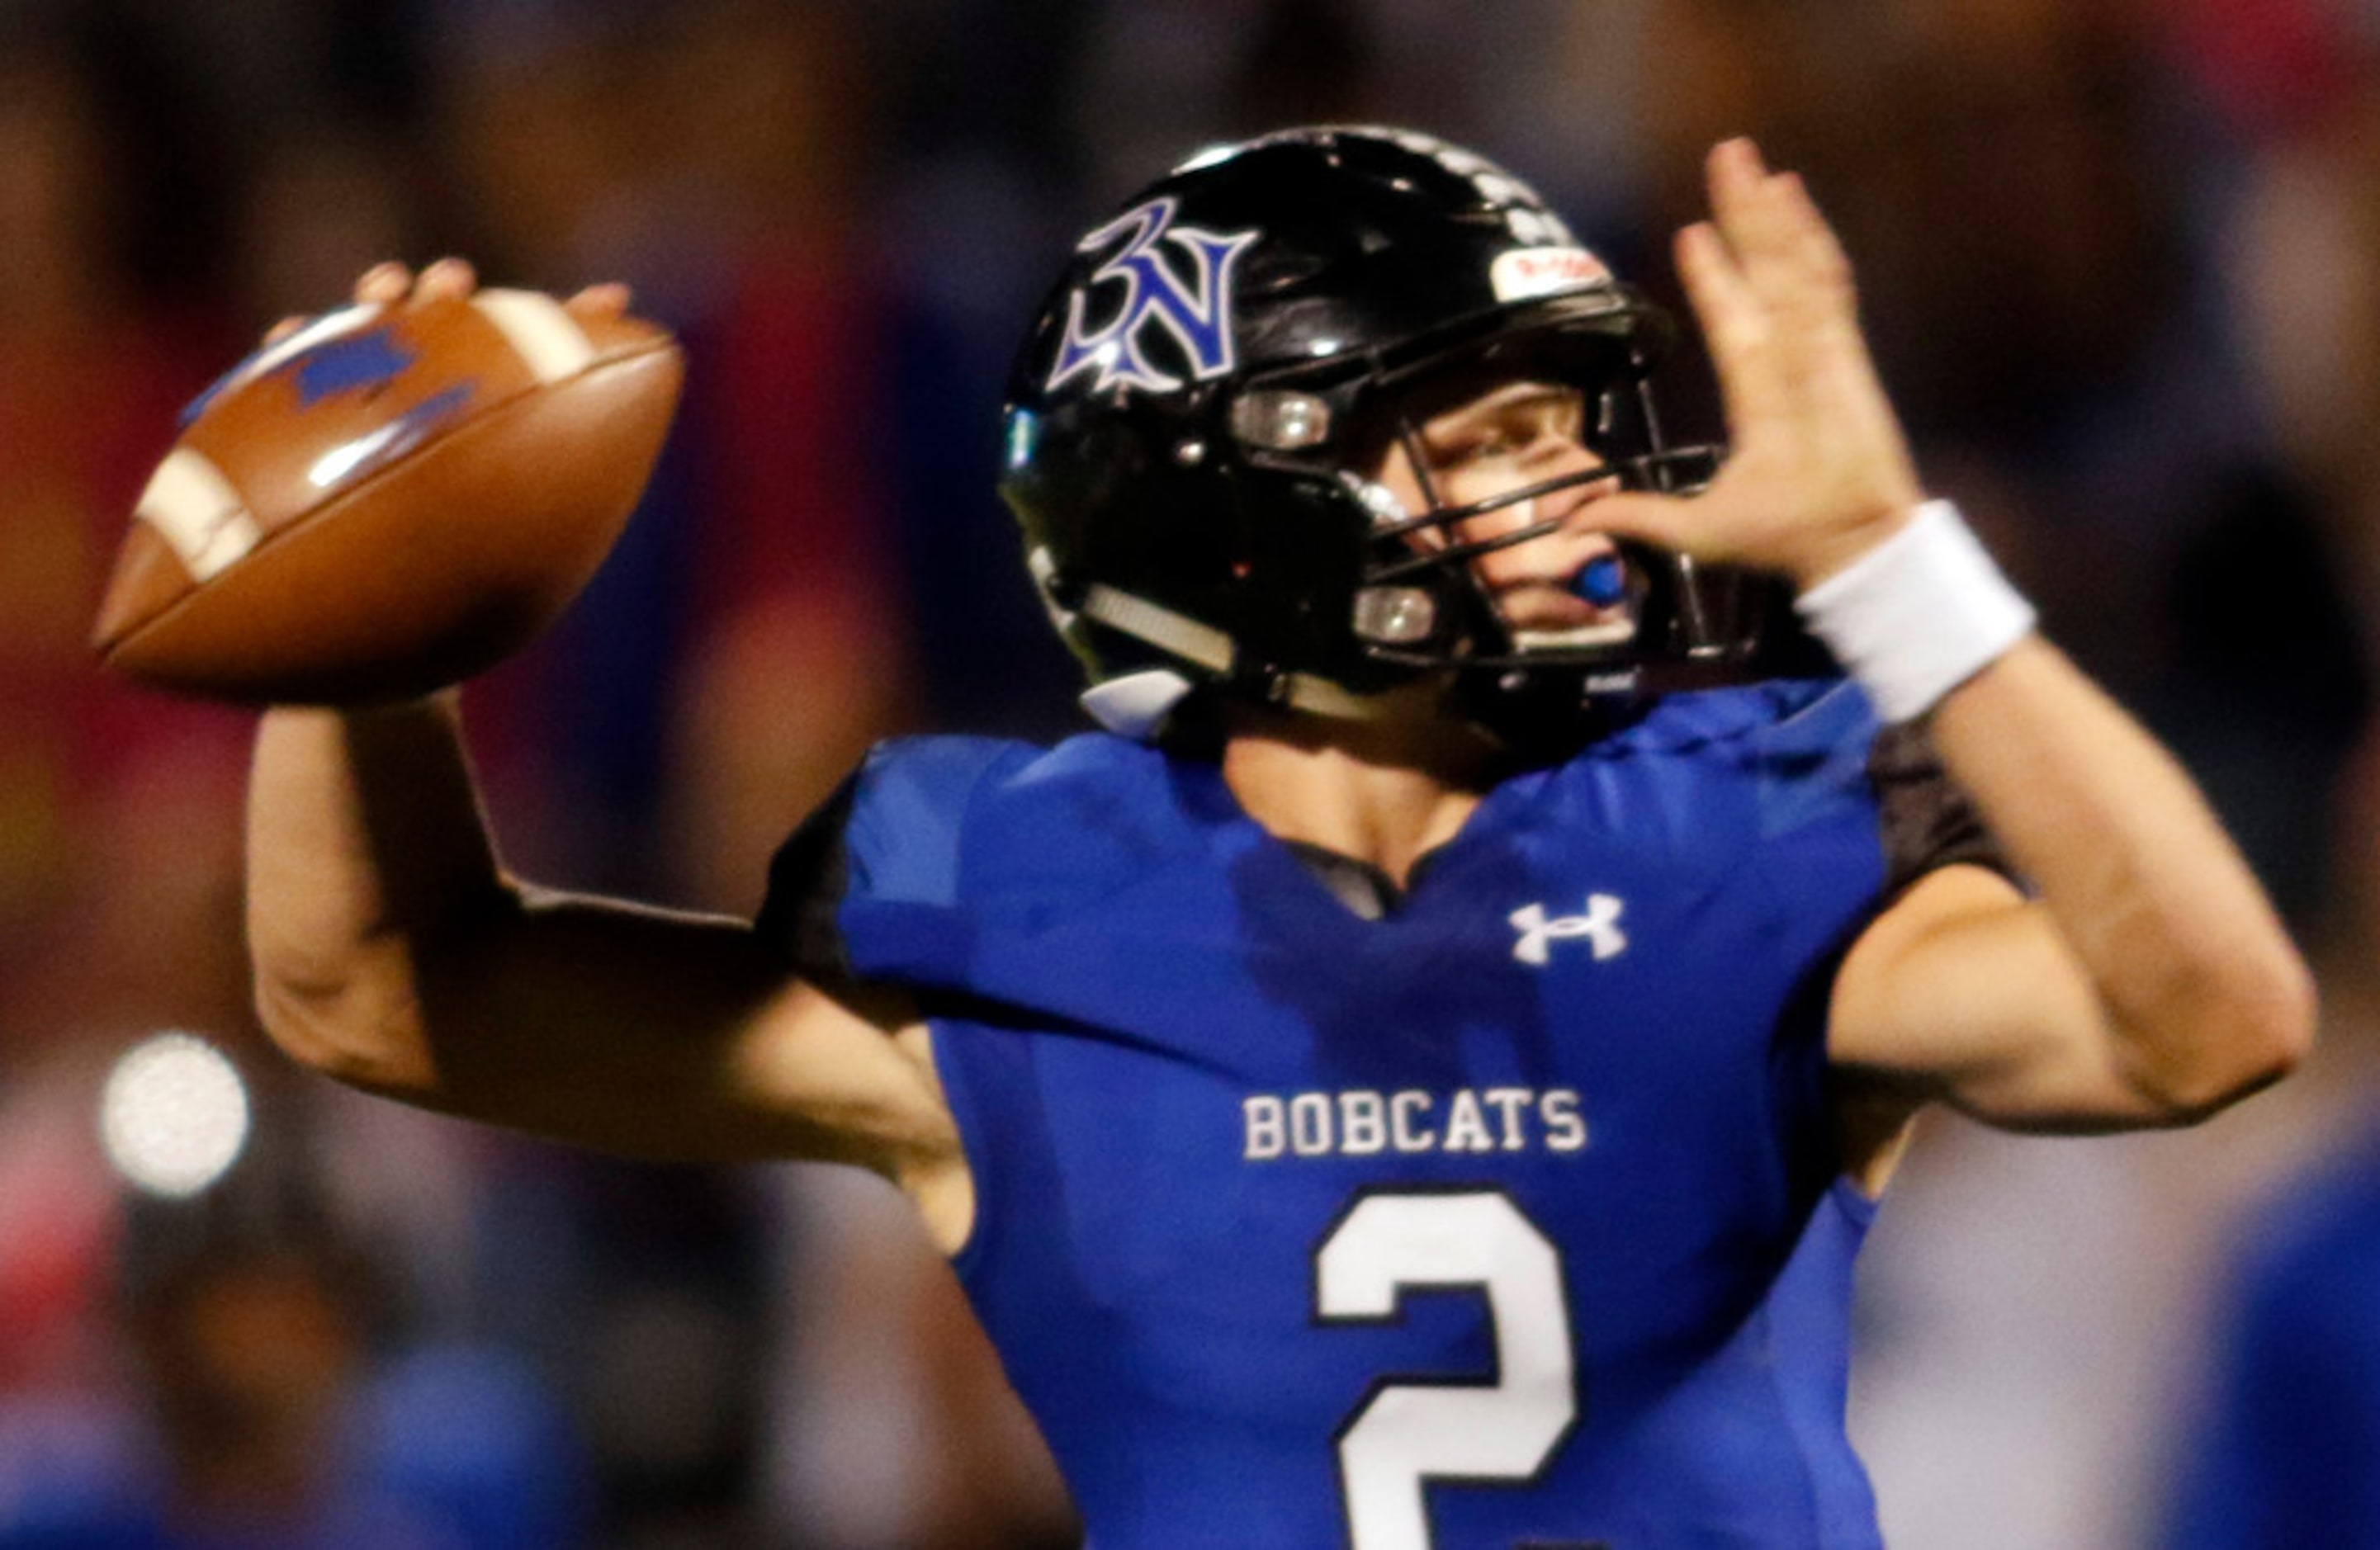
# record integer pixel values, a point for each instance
(1192, 424)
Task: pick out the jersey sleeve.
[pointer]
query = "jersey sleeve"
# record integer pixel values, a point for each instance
(869, 887)
(1928, 821)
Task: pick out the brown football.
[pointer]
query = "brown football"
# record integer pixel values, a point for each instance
(389, 501)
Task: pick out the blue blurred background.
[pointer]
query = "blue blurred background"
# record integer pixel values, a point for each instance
(2121, 266)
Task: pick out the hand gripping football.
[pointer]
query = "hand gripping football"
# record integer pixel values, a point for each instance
(389, 501)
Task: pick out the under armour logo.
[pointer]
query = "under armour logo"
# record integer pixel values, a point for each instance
(1600, 926)
(1198, 315)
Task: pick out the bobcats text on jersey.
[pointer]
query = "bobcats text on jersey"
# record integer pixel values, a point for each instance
(1362, 1123)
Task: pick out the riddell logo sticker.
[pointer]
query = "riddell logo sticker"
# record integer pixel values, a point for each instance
(1532, 271)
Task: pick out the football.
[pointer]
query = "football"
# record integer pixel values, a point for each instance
(390, 500)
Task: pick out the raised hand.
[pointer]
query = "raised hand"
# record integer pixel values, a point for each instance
(1820, 471)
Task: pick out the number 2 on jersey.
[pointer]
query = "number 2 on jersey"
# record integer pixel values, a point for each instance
(1409, 1434)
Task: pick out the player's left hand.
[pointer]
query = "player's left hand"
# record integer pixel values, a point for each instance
(1818, 471)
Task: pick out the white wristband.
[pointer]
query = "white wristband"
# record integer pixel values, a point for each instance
(1917, 615)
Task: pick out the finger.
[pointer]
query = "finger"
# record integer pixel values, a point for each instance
(1783, 246)
(1814, 302)
(1742, 201)
(1815, 246)
(1757, 224)
(1768, 228)
(1735, 324)
(1664, 521)
(1730, 312)
(609, 299)
(448, 277)
(284, 329)
(383, 284)
(1735, 179)
(1823, 268)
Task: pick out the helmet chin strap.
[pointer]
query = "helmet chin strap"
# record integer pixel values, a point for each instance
(1135, 704)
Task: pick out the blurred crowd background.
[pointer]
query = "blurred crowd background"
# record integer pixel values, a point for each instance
(2121, 265)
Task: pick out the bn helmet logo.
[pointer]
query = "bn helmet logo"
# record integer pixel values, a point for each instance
(1197, 314)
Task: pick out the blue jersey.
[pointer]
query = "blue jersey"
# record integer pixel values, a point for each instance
(1511, 1217)
(2287, 1450)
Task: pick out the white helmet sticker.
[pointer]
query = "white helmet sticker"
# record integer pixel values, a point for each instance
(1523, 273)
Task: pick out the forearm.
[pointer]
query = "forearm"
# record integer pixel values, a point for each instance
(2202, 991)
(367, 853)
(391, 953)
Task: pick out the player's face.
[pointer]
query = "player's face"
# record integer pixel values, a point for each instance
(1508, 437)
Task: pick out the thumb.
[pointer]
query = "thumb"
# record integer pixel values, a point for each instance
(1662, 521)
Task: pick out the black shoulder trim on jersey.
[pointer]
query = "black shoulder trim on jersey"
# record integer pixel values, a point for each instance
(1928, 822)
(806, 880)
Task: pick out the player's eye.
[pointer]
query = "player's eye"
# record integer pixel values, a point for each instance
(1541, 424)
(1504, 437)
(1505, 442)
